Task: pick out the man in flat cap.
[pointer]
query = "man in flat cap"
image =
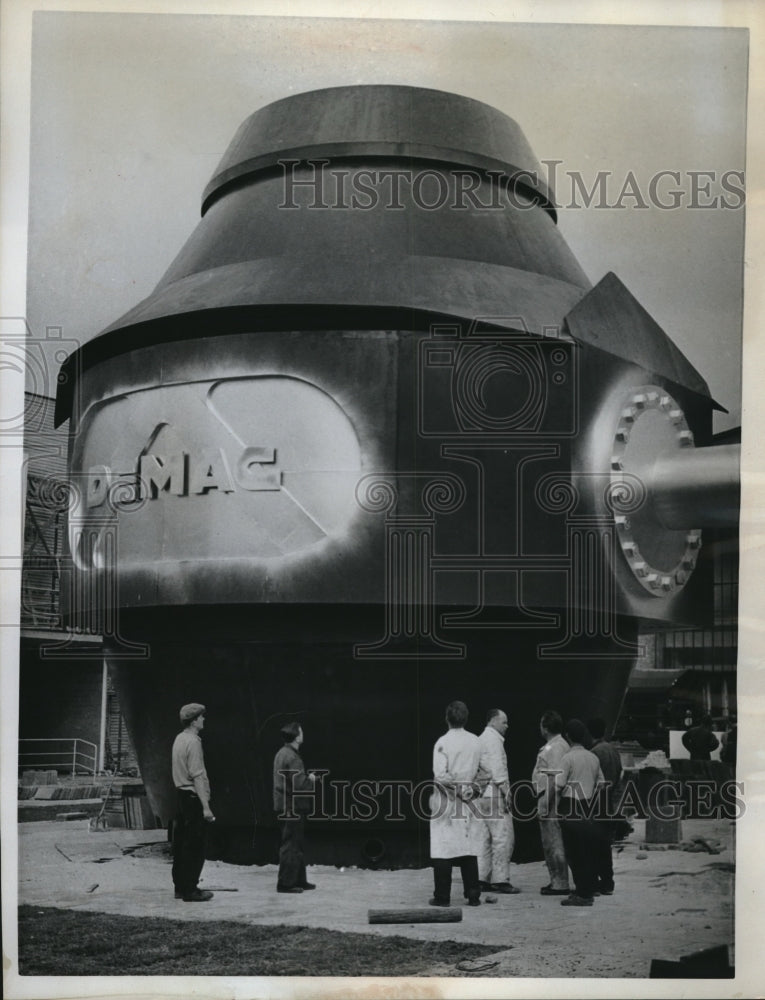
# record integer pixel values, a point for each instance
(193, 806)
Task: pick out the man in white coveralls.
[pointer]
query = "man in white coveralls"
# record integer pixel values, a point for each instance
(452, 825)
(496, 837)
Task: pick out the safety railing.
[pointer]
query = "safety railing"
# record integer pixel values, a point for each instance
(68, 754)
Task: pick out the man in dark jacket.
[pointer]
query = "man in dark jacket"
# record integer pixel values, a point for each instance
(701, 741)
(611, 766)
(291, 803)
(729, 739)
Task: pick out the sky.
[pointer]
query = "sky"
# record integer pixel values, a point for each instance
(131, 113)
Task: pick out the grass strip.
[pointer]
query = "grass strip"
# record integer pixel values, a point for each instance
(57, 942)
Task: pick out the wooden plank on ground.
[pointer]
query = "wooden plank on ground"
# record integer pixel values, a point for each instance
(431, 915)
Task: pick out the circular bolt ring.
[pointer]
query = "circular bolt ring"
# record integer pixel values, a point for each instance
(642, 400)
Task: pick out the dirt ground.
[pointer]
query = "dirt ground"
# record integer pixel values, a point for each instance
(668, 903)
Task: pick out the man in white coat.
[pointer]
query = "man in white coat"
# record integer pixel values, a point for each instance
(452, 823)
(549, 764)
(496, 837)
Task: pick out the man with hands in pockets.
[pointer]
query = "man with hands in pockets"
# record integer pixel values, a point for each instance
(193, 811)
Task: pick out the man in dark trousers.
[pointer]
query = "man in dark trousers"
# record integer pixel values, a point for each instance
(290, 780)
(453, 824)
(729, 739)
(548, 765)
(701, 741)
(193, 806)
(611, 766)
(577, 783)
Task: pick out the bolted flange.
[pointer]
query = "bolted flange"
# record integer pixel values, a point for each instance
(651, 421)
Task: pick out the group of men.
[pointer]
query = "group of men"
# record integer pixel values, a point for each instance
(471, 817)
(471, 821)
(576, 830)
(193, 811)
